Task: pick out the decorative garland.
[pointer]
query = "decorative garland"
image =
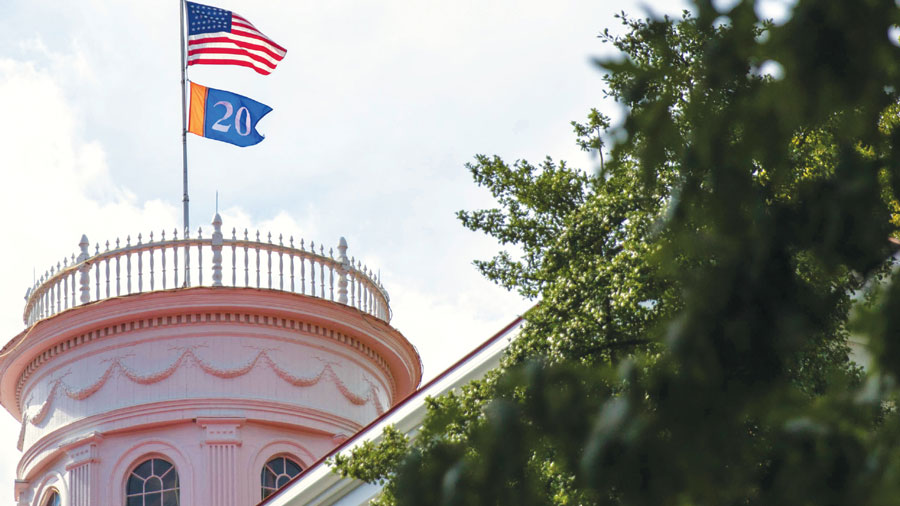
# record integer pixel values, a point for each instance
(188, 356)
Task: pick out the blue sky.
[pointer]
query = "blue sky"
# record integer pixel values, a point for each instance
(377, 107)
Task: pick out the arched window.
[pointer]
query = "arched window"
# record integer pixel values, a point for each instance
(276, 473)
(154, 482)
(52, 499)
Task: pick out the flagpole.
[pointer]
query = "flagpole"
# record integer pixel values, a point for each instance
(185, 199)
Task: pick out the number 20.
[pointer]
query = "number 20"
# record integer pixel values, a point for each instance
(229, 109)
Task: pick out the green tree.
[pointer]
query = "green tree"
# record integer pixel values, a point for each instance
(690, 341)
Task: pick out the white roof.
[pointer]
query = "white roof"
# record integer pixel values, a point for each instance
(320, 486)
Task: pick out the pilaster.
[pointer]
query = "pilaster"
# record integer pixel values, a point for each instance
(23, 493)
(222, 437)
(82, 469)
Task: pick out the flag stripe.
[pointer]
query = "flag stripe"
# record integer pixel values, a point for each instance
(246, 25)
(203, 51)
(275, 48)
(198, 109)
(227, 61)
(231, 40)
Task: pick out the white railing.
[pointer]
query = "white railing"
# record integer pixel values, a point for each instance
(178, 263)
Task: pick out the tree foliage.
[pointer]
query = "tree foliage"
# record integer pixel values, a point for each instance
(690, 343)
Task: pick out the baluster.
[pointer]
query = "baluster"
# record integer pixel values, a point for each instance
(269, 255)
(128, 263)
(65, 281)
(200, 257)
(175, 257)
(140, 256)
(292, 263)
(58, 307)
(322, 272)
(233, 256)
(246, 260)
(364, 288)
(49, 292)
(162, 255)
(331, 274)
(302, 270)
(352, 282)
(106, 261)
(97, 272)
(118, 276)
(312, 268)
(280, 264)
(372, 293)
(257, 259)
(73, 282)
(150, 253)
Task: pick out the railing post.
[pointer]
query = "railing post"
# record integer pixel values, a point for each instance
(217, 242)
(84, 269)
(342, 271)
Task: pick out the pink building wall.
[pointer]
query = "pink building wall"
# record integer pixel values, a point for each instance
(215, 380)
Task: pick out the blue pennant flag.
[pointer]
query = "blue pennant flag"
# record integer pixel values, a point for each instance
(225, 116)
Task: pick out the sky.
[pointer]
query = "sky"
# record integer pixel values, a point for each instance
(378, 106)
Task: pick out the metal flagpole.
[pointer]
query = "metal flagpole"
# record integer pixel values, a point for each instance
(184, 126)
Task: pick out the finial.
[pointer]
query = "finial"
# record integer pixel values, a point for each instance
(246, 236)
(217, 220)
(84, 244)
(139, 239)
(175, 235)
(97, 249)
(279, 240)
(128, 240)
(233, 234)
(292, 242)
(107, 245)
(151, 236)
(302, 248)
(270, 237)
(199, 232)
(257, 235)
(163, 234)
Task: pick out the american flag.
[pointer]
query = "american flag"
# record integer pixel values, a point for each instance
(220, 37)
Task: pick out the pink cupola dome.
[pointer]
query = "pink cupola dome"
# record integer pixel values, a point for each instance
(196, 371)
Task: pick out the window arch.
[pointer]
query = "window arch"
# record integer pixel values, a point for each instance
(276, 473)
(153, 482)
(52, 498)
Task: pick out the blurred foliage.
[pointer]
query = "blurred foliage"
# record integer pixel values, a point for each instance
(690, 341)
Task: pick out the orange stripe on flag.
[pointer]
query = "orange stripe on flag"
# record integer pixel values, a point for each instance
(198, 109)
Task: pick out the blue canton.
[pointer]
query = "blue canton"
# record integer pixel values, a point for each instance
(206, 19)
